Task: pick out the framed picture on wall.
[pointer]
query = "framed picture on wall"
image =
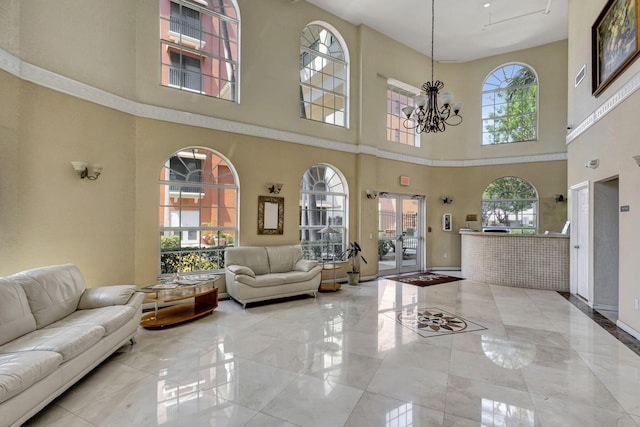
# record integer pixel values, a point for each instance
(614, 42)
(446, 222)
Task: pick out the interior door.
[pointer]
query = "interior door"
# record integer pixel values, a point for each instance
(580, 241)
(400, 234)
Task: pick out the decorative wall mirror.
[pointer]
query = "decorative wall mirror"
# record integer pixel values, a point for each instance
(270, 215)
(447, 222)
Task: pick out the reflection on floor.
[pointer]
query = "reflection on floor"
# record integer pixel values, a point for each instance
(344, 359)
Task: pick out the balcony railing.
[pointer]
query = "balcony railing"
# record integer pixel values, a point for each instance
(186, 79)
(191, 29)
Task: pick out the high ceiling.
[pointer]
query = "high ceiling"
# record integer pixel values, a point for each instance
(464, 29)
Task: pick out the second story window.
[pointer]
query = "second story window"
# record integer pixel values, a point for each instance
(398, 97)
(199, 46)
(324, 75)
(510, 105)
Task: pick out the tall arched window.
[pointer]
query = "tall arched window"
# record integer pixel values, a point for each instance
(198, 211)
(323, 201)
(324, 76)
(510, 105)
(510, 204)
(199, 42)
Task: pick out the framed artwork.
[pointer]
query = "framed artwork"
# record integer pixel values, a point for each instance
(614, 42)
(446, 222)
(270, 215)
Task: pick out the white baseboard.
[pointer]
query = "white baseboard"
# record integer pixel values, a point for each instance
(628, 329)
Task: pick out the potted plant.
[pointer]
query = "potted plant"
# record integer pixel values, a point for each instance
(353, 253)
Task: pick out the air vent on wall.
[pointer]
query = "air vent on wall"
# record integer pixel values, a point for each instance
(581, 75)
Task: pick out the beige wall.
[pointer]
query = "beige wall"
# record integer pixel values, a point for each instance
(613, 139)
(109, 227)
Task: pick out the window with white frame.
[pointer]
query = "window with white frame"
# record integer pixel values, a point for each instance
(510, 204)
(399, 96)
(324, 76)
(198, 211)
(322, 212)
(199, 42)
(510, 105)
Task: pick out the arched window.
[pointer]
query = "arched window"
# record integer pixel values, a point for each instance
(199, 42)
(198, 211)
(323, 200)
(510, 204)
(324, 76)
(510, 105)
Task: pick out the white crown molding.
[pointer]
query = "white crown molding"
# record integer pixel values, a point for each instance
(612, 102)
(59, 83)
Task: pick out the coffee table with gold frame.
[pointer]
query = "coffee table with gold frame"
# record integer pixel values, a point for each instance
(204, 297)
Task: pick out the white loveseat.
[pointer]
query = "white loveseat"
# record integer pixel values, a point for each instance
(53, 331)
(258, 273)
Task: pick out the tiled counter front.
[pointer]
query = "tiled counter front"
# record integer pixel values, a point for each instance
(524, 261)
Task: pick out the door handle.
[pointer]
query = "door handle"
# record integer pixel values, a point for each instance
(576, 247)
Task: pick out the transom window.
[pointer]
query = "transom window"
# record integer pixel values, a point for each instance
(198, 211)
(324, 75)
(510, 105)
(199, 46)
(510, 204)
(397, 98)
(323, 200)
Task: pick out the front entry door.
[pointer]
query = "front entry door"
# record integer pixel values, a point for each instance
(400, 237)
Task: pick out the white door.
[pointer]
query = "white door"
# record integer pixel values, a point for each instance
(580, 241)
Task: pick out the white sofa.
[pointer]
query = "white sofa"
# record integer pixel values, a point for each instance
(53, 331)
(258, 273)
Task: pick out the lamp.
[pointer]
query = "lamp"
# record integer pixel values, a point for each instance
(447, 200)
(427, 115)
(328, 230)
(371, 194)
(84, 170)
(560, 198)
(637, 159)
(274, 188)
(592, 164)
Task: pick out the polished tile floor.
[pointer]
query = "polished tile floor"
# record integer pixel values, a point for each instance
(529, 358)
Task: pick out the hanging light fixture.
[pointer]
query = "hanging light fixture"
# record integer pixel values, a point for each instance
(433, 110)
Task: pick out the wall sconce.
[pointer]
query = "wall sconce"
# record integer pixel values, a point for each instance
(274, 188)
(84, 170)
(592, 164)
(371, 194)
(447, 200)
(637, 159)
(560, 198)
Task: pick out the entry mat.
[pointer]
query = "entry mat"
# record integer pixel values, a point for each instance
(433, 322)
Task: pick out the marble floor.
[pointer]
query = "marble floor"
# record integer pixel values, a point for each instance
(515, 358)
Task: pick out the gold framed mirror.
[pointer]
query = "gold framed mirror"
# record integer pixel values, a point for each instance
(270, 215)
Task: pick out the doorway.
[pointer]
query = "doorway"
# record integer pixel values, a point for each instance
(400, 233)
(606, 247)
(580, 241)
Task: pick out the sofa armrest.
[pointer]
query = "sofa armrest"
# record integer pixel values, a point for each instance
(304, 265)
(241, 269)
(105, 296)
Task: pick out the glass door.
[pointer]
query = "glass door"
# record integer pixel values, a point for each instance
(400, 234)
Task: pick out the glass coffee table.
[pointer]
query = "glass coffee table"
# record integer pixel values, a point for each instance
(201, 291)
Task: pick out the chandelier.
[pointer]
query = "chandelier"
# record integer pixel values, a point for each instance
(433, 110)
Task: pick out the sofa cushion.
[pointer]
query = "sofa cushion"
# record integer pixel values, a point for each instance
(110, 318)
(254, 257)
(283, 258)
(15, 314)
(53, 292)
(269, 280)
(298, 276)
(105, 296)
(18, 371)
(68, 341)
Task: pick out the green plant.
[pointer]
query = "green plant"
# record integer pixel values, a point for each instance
(170, 243)
(353, 253)
(384, 246)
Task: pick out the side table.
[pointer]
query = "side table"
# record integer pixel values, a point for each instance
(329, 285)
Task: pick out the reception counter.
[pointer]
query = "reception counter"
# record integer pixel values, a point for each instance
(538, 261)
